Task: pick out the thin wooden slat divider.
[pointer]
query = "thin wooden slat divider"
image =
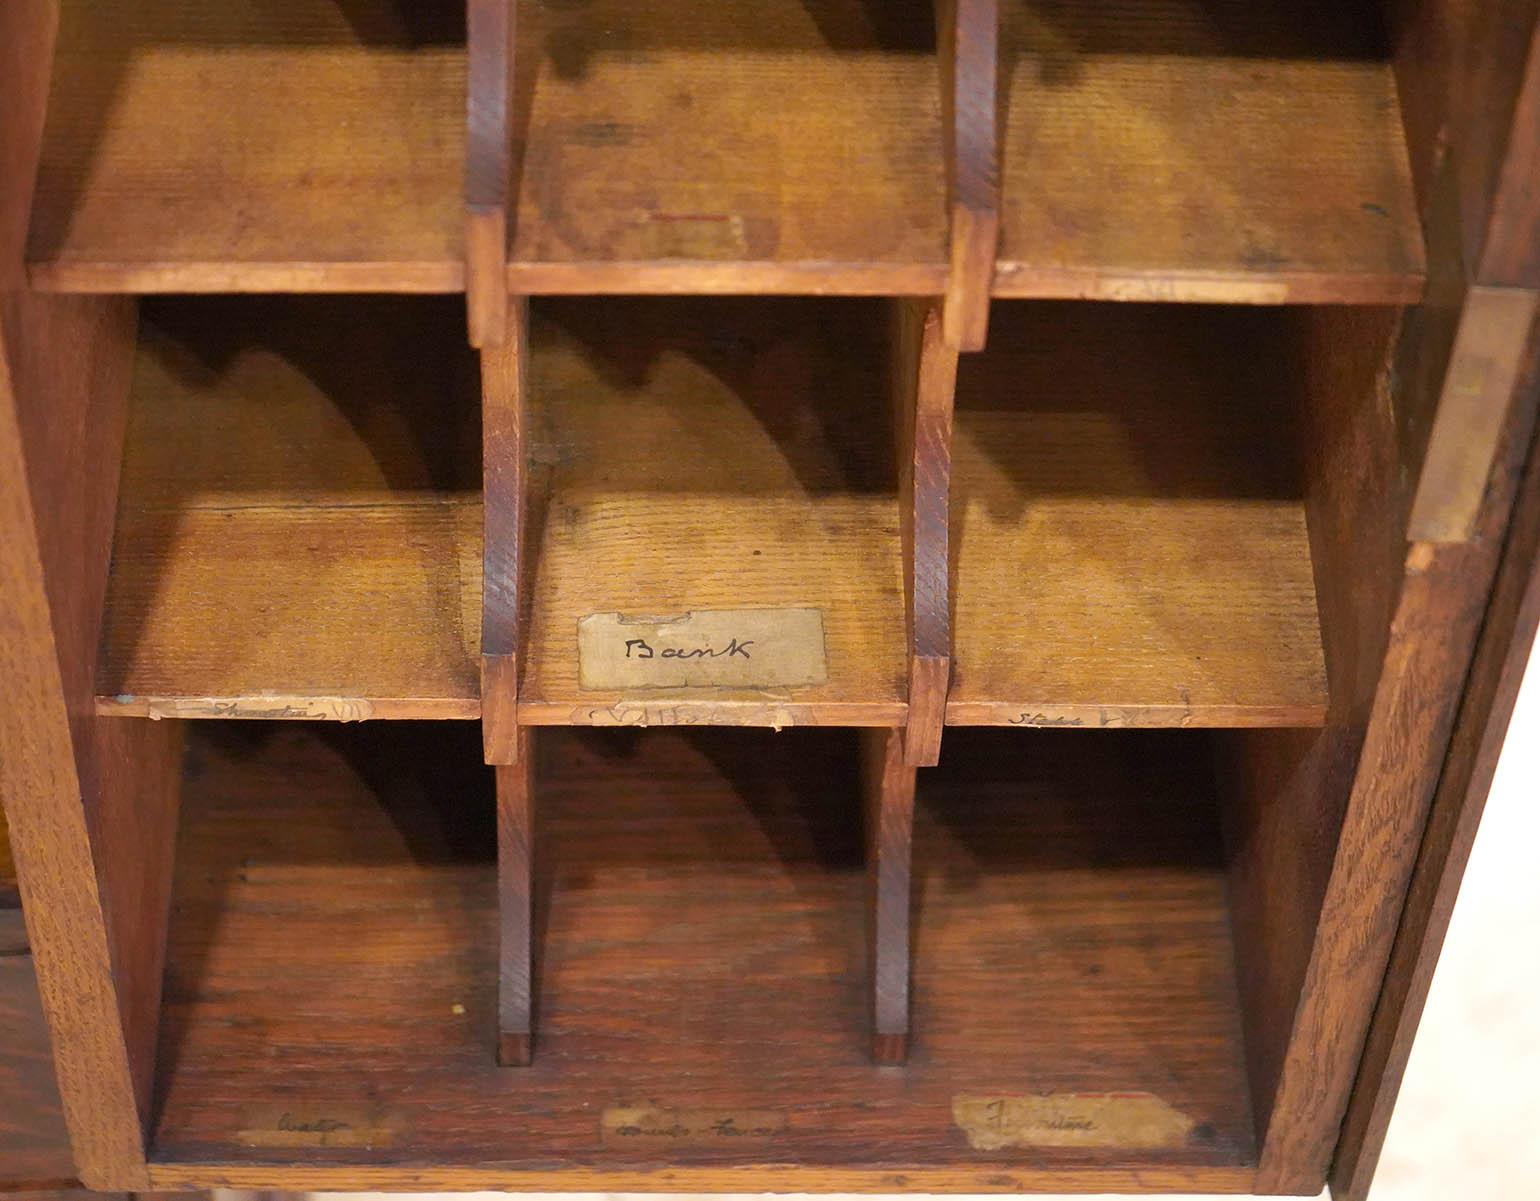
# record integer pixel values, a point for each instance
(488, 167)
(968, 33)
(515, 907)
(888, 785)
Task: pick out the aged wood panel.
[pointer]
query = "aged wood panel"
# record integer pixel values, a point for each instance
(1228, 151)
(714, 454)
(245, 146)
(700, 901)
(1130, 539)
(645, 159)
(34, 1143)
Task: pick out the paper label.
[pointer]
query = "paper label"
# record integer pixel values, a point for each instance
(1126, 1120)
(709, 648)
(675, 1127)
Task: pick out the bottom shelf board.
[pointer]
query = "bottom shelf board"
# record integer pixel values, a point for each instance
(34, 1144)
(702, 1013)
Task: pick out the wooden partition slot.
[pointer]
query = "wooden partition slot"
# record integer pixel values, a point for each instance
(1130, 543)
(299, 521)
(748, 147)
(713, 534)
(1227, 151)
(702, 962)
(293, 145)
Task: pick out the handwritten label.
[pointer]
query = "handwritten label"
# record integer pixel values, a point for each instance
(252, 708)
(709, 648)
(314, 1125)
(1125, 1120)
(676, 1127)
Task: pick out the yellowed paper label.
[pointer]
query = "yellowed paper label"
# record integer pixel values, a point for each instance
(1132, 1120)
(318, 1125)
(676, 1127)
(709, 648)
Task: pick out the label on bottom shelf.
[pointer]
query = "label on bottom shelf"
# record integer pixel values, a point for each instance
(708, 648)
(1130, 1120)
(318, 1125)
(676, 1127)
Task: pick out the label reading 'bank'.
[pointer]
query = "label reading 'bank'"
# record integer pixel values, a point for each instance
(709, 648)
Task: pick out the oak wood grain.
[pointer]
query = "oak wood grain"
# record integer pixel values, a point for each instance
(299, 530)
(750, 146)
(703, 945)
(34, 1142)
(515, 907)
(1131, 545)
(888, 785)
(714, 454)
(315, 145)
(488, 166)
(1225, 151)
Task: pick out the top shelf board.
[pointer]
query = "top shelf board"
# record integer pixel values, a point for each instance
(308, 145)
(709, 147)
(1224, 151)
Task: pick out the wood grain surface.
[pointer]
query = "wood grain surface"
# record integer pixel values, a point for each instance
(747, 146)
(714, 454)
(34, 1143)
(314, 145)
(699, 906)
(1224, 151)
(1131, 545)
(299, 530)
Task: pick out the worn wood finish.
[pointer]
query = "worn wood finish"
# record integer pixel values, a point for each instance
(91, 808)
(8, 895)
(34, 1143)
(645, 160)
(700, 900)
(1507, 635)
(968, 42)
(713, 454)
(504, 389)
(889, 786)
(515, 908)
(1227, 151)
(1442, 595)
(314, 145)
(299, 530)
(926, 384)
(1131, 546)
(488, 167)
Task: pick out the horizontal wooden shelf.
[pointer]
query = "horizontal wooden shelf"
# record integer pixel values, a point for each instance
(299, 526)
(299, 532)
(748, 147)
(1131, 546)
(1228, 151)
(307, 145)
(330, 999)
(708, 455)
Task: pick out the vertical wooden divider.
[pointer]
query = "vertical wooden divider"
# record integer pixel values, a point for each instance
(968, 43)
(499, 327)
(888, 785)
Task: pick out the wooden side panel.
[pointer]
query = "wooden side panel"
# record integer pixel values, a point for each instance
(1507, 635)
(1443, 593)
(505, 386)
(926, 384)
(515, 907)
(488, 167)
(34, 1144)
(889, 787)
(969, 46)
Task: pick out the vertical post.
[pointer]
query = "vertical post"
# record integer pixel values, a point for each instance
(926, 383)
(889, 787)
(488, 167)
(968, 44)
(515, 903)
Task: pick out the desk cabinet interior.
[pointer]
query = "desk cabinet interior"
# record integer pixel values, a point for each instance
(822, 596)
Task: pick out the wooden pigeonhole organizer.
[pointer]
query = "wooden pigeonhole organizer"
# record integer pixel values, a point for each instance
(965, 532)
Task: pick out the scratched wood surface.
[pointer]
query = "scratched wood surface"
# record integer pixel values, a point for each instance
(714, 454)
(313, 145)
(34, 1144)
(1226, 151)
(299, 527)
(699, 907)
(750, 145)
(1131, 546)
